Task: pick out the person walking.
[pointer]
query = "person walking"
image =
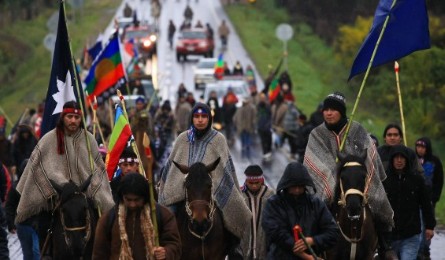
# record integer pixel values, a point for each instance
(264, 126)
(223, 32)
(255, 193)
(244, 120)
(171, 33)
(293, 205)
(433, 168)
(126, 230)
(409, 198)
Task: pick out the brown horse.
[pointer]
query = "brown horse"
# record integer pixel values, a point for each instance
(358, 235)
(200, 222)
(73, 223)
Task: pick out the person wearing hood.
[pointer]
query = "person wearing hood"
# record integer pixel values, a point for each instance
(294, 204)
(321, 161)
(202, 143)
(433, 168)
(409, 198)
(24, 144)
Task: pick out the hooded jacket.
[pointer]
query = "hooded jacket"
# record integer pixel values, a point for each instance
(433, 170)
(408, 195)
(283, 212)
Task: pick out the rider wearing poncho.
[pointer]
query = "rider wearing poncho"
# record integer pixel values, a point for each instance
(201, 143)
(321, 161)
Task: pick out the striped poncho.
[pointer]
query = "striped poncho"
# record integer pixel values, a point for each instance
(225, 187)
(320, 161)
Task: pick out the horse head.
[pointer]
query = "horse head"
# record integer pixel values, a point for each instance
(198, 194)
(72, 210)
(352, 182)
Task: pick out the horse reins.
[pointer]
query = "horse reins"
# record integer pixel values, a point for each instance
(342, 203)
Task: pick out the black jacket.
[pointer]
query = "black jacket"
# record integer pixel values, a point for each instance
(283, 212)
(407, 194)
(433, 170)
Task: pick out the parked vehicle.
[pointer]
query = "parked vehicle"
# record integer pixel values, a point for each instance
(204, 72)
(194, 42)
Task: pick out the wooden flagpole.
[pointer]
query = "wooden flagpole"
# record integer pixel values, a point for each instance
(368, 69)
(399, 94)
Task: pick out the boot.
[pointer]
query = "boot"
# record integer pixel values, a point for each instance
(385, 249)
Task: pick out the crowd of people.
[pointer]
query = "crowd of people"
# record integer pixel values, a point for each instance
(404, 184)
(404, 188)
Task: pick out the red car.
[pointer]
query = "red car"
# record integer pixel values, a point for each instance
(144, 36)
(194, 42)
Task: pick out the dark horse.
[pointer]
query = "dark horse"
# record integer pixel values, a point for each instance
(200, 222)
(73, 223)
(358, 235)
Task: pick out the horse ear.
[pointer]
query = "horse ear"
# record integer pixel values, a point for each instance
(184, 169)
(56, 186)
(213, 165)
(85, 184)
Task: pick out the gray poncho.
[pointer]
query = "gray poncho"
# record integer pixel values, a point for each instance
(320, 161)
(225, 187)
(46, 164)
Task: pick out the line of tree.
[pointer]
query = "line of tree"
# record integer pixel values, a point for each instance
(14, 10)
(345, 24)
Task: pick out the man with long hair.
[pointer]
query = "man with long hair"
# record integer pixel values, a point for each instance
(66, 153)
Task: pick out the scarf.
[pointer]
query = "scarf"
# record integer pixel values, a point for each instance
(146, 229)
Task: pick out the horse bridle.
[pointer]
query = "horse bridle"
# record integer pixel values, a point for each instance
(86, 227)
(342, 203)
(212, 208)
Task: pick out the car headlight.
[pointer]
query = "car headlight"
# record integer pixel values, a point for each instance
(146, 43)
(180, 44)
(153, 38)
(203, 44)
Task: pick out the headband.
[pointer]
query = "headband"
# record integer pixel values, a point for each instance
(71, 111)
(255, 178)
(421, 143)
(128, 160)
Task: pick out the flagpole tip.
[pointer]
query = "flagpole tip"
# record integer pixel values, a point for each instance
(396, 66)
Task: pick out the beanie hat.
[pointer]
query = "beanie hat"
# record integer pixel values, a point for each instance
(336, 101)
(140, 100)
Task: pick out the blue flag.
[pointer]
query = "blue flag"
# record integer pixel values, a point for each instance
(95, 50)
(62, 82)
(407, 31)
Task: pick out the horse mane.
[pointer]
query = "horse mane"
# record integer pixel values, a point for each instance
(197, 174)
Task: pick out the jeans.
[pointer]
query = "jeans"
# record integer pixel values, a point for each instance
(246, 143)
(30, 242)
(407, 248)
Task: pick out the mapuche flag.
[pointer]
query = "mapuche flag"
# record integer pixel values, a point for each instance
(119, 138)
(106, 71)
(63, 80)
(406, 31)
(219, 67)
(274, 90)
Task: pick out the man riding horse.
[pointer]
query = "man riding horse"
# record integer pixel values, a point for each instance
(322, 164)
(201, 143)
(62, 156)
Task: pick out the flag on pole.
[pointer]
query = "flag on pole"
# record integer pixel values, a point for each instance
(274, 90)
(63, 80)
(106, 72)
(406, 31)
(96, 48)
(219, 67)
(119, 138)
